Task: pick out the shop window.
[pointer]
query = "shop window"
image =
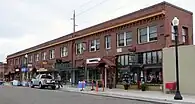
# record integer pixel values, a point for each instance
(144, 58)
(153, 76)
(126, 59)
(122, 60)
(154, 57)
(159, 56)
(149, 58)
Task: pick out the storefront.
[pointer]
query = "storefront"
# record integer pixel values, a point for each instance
(145, 66)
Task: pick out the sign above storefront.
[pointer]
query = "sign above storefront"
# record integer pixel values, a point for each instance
(93, 60)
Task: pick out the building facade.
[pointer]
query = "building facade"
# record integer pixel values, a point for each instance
(132, 43)
(3, 70)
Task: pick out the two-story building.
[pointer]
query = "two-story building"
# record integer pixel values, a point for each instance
(3, 70)
(132, 43)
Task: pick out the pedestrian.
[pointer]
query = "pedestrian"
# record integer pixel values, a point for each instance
(59, 81)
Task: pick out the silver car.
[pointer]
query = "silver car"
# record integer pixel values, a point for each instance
(42, 81)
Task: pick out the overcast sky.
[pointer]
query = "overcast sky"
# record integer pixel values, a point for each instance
(25, 23)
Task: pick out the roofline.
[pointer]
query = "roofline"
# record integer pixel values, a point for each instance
(161, 3)
(132, 13)
(177, 7)
(78, 37)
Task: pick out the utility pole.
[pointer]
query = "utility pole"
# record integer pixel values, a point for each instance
(72, 53)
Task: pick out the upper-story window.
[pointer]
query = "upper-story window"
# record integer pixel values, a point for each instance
(94, 45)
(64, 51)
(51, 54)
(80, 47)
(43, 55)
(152, 33)
(172, 33)
(30, 58)
(108, 42)
(16, 61)
(37, 57)
(184, 34)
(147, 34)
(124, 39)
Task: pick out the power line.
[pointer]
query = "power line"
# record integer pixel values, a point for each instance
(91, 7)
(83, 4)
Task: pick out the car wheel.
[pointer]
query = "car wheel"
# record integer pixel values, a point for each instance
(31, 85)
(40, 85)
(53, 87)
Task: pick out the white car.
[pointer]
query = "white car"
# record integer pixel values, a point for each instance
(43, 80)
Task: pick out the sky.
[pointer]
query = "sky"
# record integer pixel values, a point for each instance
(26, 23)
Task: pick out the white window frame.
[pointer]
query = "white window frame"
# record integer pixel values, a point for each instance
(172, 33)
(184, 35)
(148, 34)
(64, 51)
(79, 46)
(94, 46)
(52, 54)
(44, 54)
(125, 39)
(37, 57)
(107, 42)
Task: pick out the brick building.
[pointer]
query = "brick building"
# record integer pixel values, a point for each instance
(3, 70)
(132, 42)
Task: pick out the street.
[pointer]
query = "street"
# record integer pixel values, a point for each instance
(21, 95)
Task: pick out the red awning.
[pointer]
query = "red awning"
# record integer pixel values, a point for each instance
(110, 61)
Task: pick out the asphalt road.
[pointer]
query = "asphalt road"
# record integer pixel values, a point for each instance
(21, 95)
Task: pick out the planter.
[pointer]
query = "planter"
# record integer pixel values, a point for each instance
(143, 89)
(110, 86)
(126, 87)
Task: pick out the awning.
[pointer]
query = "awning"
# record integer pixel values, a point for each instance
(110, 61)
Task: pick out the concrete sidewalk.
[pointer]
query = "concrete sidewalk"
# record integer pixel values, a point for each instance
(148, 96)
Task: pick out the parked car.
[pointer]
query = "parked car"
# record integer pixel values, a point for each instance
(42, 81)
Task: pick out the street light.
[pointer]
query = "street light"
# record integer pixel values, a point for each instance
(175, 24)
(26, 65)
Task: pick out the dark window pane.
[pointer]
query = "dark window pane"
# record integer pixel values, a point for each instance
(98, 44)
(121, 39)
(128, 38)
(143, 35)
(152, 33)
(144, 58)
(108, 42)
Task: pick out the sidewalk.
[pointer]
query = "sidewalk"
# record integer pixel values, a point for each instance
(148, 96)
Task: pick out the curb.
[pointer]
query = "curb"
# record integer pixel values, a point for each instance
(151, 100)
(122, 97)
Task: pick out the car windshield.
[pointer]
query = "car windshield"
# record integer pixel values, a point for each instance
(46, 76)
